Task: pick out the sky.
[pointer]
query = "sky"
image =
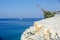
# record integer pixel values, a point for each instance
(26, 8)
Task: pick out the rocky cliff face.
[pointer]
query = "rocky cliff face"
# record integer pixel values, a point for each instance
(46, 29)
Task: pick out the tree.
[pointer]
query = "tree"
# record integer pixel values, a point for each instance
(47, 14)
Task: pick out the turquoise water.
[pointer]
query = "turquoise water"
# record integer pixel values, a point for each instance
(11, 29)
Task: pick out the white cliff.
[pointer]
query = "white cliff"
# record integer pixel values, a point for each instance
(46, 29)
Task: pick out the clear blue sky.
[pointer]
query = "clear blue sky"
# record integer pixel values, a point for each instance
(26, 8)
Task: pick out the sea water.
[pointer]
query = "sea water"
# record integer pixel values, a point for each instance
(11, 29)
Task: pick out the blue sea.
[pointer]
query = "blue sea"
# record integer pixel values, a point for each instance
(12, 28)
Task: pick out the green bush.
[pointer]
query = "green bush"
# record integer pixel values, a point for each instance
(48, 14)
